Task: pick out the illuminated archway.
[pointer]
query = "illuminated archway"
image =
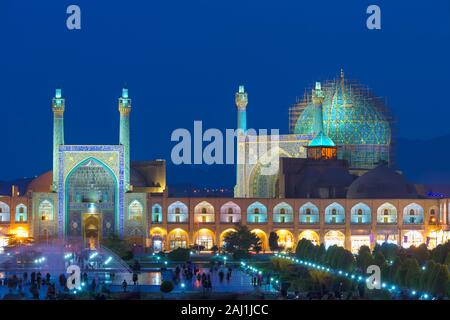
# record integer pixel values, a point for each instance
(387, 213)
(204, 238)
(285, 239)
(413, 214)
(178, 238)
(4, 212)
(263, 236)
(223, 234)
(21, 213)
(204, 213)
(177, 212)
(412, 238)
(334, 237)
(283, 213)
(230, 212)
(311, 236)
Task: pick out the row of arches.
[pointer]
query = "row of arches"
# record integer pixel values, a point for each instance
(20, 213)
(206, 238)
(256, 212)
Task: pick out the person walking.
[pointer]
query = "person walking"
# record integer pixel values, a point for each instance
(135, 278)
(124, 285)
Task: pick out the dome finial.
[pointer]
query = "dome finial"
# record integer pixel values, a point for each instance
(342, 73)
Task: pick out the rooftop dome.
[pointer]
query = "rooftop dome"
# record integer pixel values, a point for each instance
(382, 183)
(353, 117)
(42, 183)
(321, 140)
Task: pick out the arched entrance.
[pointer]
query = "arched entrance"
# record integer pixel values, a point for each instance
(223, 235)
(178, 238)
(285, 239)
(334, 237)
(412, 238)
(261, 235)
(311, 236)
(90, 191)
(204, 238)
(91, 231)
(157, 239)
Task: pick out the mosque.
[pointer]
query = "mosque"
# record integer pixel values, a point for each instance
(335, 184)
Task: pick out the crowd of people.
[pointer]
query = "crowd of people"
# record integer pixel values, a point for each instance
(202, 277)
(33, 282)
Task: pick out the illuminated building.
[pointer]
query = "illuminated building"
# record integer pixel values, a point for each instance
(356, 121)
(97, 191)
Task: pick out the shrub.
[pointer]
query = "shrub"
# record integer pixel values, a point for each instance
(166, 286)
(179, 254)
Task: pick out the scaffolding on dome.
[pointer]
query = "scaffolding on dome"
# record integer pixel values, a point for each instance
(359, 122)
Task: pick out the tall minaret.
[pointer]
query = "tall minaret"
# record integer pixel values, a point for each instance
(58, 105)
(241, 103)
(317, 98)
(124, 135)
(241, 99)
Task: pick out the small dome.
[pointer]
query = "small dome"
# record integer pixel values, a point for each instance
(382, 183)
(321, 140)
(42, 183)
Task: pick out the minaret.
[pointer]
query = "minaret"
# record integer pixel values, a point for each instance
(317, 98)
(241, 100)
(241, 103)
(321, 146)
(58, 105)
(124, 135)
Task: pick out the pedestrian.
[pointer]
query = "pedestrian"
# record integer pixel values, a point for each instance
(47, 278)
(124, 285)
(221, 276)
(25, 277)
(135, 278)
(93, 285)
(33, 277)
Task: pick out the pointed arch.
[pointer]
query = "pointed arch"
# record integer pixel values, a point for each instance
(135, 210)
(21, 213)
(5, 214)
(334, 237)
(286, 239)
(256, 213)
(309, 213)
(230, 212)
(46, 210)
(177, 212)
(157, 213)
(413, 214)
(361, 214)
(204, 213)
(283, 213)
(387, 213)
(335, 214)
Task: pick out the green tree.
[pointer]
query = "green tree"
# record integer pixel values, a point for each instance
(440, 280)
(273, 241)
(179, 254)
(241, 241)
(413, 273)
(119, 246)
(364, 258)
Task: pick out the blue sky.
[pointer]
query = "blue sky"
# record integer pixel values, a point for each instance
(183, 60)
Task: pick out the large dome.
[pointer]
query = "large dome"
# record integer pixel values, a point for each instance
(382, 183)
(353, 118)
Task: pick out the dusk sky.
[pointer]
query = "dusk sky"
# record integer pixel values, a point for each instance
(183, 61)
